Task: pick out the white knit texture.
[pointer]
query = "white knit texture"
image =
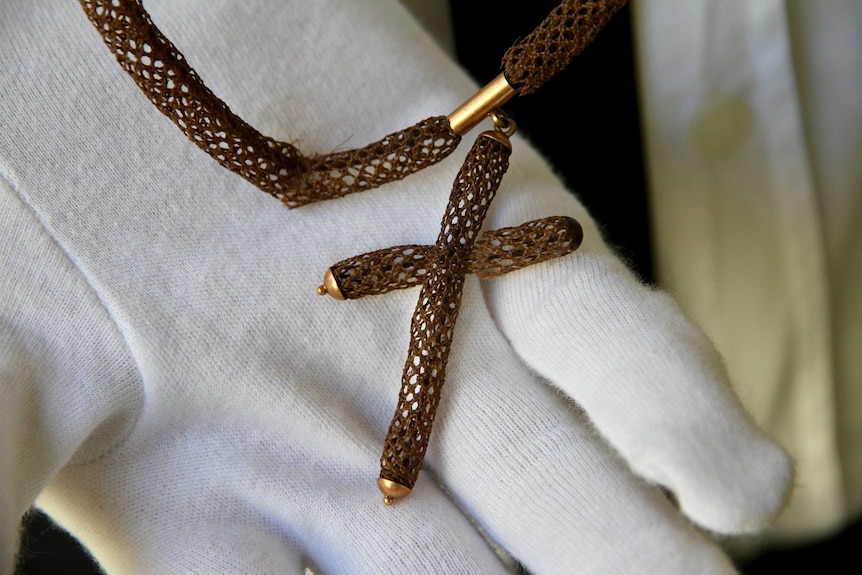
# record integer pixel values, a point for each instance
(177, 395)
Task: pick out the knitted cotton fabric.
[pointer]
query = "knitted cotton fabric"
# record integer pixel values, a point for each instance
(176, 394)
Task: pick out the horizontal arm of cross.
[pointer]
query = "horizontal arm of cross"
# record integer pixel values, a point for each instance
(497, 252)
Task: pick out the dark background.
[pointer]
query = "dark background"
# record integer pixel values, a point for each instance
(585, 121)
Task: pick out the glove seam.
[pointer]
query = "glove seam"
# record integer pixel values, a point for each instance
(113, 447)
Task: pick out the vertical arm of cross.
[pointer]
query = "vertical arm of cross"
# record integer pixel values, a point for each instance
(436, 312)
(440, 269)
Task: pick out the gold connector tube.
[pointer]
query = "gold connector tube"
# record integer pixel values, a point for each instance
(481, 105)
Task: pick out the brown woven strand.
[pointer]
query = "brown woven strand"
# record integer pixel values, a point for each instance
(563, 34)
(278, 168)
(497, 252)
(510, 249)
(437, 310)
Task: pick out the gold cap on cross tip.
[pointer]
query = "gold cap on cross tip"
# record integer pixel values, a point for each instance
(330, 286)
(392, 490)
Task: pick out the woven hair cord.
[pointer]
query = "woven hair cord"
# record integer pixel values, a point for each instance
(277, 168)
(561, 36)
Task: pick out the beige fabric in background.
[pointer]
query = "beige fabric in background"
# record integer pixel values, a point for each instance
(754, 140)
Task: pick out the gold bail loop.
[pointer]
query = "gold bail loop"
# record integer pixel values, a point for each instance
(504, 126)
(504, 123)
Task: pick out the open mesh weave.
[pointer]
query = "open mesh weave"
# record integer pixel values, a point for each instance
(278, 168)
(437, 309)
(497, 252)
(561, 36)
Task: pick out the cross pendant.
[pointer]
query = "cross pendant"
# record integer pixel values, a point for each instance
(441, 270)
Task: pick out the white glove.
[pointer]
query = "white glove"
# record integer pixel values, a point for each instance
(177, 395)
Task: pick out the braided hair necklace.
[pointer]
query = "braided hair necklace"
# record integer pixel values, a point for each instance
(281, 170)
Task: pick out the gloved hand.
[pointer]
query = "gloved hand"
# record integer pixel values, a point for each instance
(177, 395)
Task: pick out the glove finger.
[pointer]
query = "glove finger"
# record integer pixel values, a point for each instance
(649, 380)
(523, 461)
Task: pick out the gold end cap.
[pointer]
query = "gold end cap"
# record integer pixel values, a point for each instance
(499, 136)
(330, 286)
(392, 490)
